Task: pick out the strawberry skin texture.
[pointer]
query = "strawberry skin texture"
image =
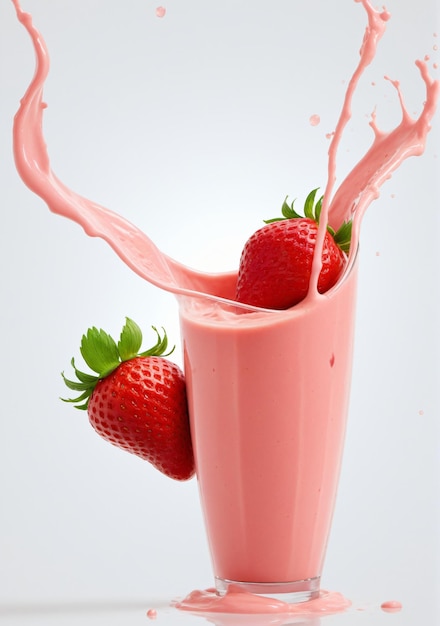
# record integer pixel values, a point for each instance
(276, 264)
(142, 408)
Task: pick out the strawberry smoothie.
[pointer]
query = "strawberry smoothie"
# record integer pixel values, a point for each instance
(268, 390)
(268, 396)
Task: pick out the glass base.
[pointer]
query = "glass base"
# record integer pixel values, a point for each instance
(290, 592)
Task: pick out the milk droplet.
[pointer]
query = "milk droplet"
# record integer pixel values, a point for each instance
(315, 120)
(160, 11)
(391, 606)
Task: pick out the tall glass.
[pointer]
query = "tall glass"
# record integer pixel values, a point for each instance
(268, 394)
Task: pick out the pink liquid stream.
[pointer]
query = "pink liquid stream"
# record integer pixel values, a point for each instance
(350, 201)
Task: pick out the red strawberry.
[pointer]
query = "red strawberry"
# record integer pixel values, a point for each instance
(276, 262)
(138, 400)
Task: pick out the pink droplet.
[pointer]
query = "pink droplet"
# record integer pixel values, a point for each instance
(392, 606)
(435, 47)
(377, 253)
(421, 412)
(315, 120)
(160, 11)
(332, 360)
(435, 66)
(426, 57)
(152, 614)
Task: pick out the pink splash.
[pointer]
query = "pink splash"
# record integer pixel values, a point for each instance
(160, 11)
(349, 201)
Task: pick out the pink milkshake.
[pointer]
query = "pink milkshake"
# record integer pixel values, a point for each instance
(268, 390)
(268, 395)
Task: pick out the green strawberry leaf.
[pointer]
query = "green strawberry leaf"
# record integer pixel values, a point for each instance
(82, 376)
(311, 210)
(75, 386)
(130, 340)
(318, 209)
(309, 205)
(161, 345)
(288, 210)
(83, 397)
(99, 351)
(343, 236)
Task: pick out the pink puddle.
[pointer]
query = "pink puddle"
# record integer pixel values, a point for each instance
(238, 601)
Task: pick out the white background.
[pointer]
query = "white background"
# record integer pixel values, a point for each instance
(195, 127)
